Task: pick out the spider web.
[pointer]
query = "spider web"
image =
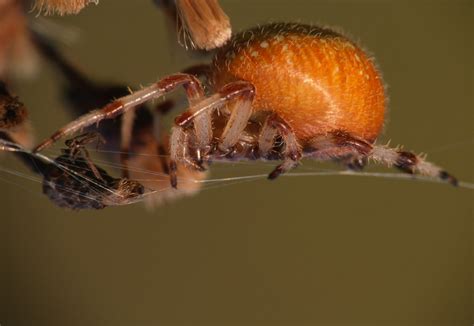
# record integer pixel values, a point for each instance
(223, 174)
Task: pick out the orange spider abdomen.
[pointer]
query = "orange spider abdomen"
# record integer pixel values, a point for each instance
(314, 78)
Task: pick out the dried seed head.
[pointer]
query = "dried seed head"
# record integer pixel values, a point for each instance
(62, 7)
(204, 23)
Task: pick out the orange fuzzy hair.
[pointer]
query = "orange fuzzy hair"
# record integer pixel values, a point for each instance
(62, 7)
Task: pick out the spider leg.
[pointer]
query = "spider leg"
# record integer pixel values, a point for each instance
(91, 165)
(239, 95)
(77, 146)
(339, 145)
(190, 83)
(266, 139)
(273, 126)
(409, 162)
(177, 153)
(164, 108)
(126, 130)
(160, 110)
(78, 142)
(241, 109)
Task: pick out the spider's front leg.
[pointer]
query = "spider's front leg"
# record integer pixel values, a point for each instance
(238, 96)
(191, 84)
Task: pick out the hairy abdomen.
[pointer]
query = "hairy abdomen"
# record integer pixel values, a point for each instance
(314, 78)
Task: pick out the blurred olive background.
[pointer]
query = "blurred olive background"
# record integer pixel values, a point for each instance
(298, 251)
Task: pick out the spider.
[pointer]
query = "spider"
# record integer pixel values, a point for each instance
(282, 91)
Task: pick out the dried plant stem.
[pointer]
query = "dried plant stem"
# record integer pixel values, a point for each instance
(204, 22)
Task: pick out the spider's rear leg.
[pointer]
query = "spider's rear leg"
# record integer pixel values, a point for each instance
(409, 162)
(339, 145)
(239, 95)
